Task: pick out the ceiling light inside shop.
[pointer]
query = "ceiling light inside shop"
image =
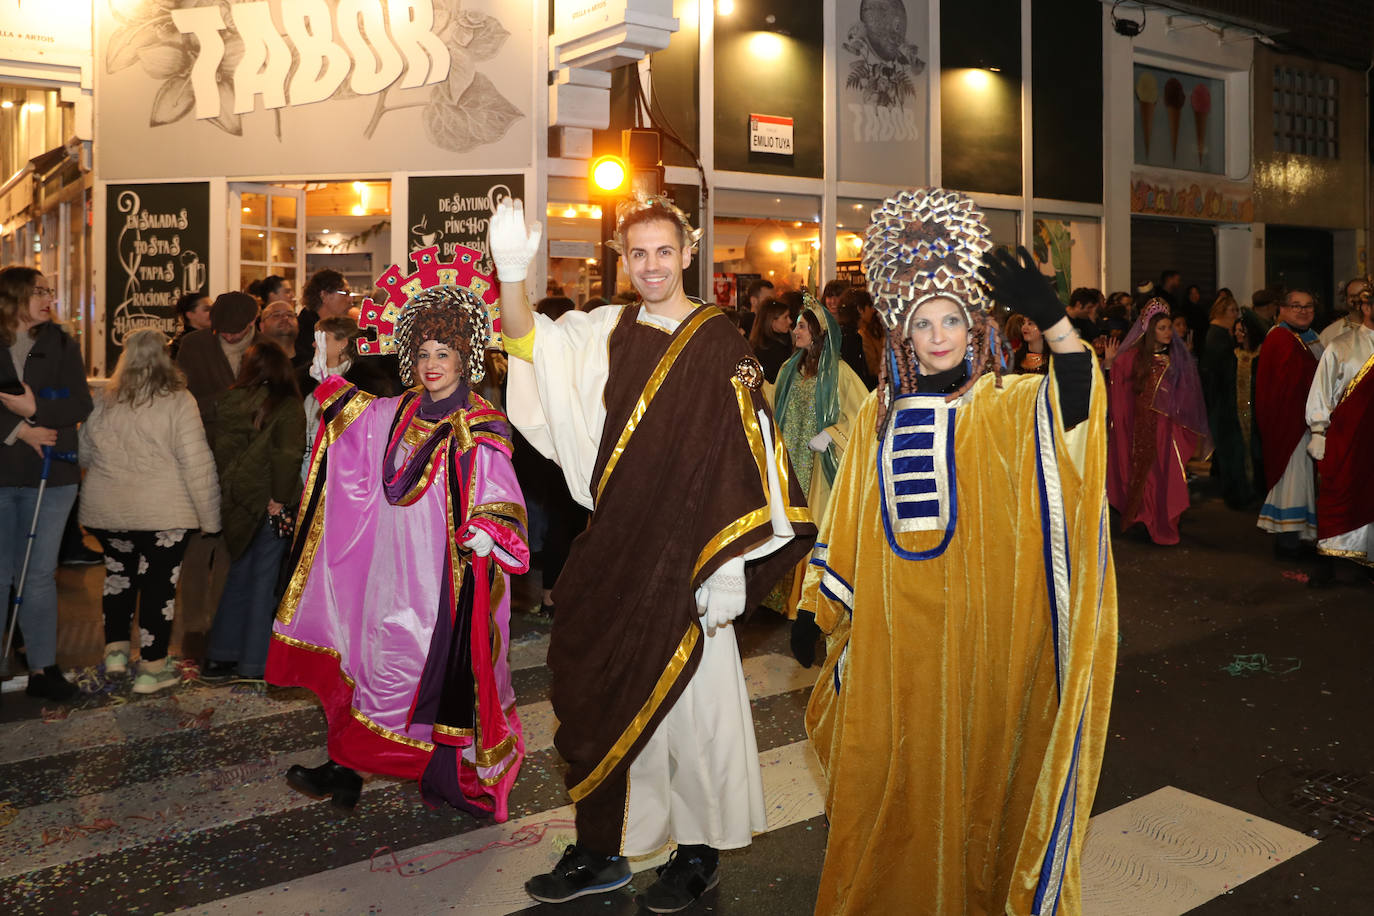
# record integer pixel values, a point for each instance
(6, 104)
(777, 245)
(324, 232)
(725, 7)
(570, 213)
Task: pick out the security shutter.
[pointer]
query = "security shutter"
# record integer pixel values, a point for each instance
(1190, 248)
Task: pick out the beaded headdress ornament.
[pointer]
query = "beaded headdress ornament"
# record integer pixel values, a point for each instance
(456, 286)
(641, 202)
(923, 244)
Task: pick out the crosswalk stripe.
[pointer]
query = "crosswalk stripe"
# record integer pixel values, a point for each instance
(84, 729)
(482, 873)
(76, 828)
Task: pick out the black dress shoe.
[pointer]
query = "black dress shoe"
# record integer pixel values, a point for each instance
(211, 670)
(341, 784)
(49, 684)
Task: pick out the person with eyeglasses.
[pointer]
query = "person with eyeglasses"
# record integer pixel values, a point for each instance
(43, 396)
(1287, 364)
(326, 295)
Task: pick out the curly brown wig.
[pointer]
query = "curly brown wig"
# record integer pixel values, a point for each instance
(453, 316)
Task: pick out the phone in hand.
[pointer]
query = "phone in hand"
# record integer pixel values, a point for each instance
(11, 386)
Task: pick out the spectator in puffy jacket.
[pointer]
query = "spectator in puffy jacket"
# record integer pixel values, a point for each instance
(43, 364)
(259, 438)
(150, 480)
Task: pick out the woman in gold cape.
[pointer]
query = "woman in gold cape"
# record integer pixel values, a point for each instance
(963, 575)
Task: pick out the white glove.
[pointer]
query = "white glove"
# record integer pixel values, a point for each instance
(478, 541)
(721, 597)
(820, 442)
(512, 246)
(1317, 447)
(318, 370)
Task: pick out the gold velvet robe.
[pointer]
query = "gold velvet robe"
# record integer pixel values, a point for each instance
(962, 709)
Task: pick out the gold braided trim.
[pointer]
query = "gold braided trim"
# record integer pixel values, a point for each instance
(728, 535)
(1359, 556)
(322, 650)
(490, 757)
(740, 526)
(388, 734)
(451, 732)
(665, 365)
(1359, 377)
(510, 510)
(291, 598)
(496, 437)
(350, 412)
(666, 680)
(493, 780)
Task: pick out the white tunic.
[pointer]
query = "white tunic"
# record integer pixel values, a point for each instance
(1340, 363)
(697, 779)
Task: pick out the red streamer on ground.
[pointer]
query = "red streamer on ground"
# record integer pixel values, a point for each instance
(528, 835)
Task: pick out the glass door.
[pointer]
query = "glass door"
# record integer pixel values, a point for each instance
(266, 233)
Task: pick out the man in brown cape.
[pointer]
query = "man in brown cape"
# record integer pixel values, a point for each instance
(655, 414)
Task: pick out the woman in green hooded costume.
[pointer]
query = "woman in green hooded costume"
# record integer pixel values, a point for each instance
(814, 401)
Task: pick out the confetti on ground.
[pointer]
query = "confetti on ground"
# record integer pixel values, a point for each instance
(1259, 663)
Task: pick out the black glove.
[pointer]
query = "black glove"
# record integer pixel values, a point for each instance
(805, 635)
(1022, 287)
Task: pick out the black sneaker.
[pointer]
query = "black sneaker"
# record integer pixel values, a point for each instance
(577, 874)
(681, 882)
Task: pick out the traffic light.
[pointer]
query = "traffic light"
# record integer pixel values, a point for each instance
(635, 169)
(610, 176)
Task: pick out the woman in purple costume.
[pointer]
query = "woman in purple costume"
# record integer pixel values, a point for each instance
(397, 613)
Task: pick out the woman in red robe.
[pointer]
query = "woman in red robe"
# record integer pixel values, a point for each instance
(1158, 421)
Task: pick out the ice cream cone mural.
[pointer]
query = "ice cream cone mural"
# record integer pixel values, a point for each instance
(1147, 95)
(1173, 106)
(1202, 108)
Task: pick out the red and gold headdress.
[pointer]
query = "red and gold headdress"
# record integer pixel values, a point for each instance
(456, 286)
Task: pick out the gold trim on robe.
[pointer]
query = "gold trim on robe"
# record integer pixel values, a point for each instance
(641, 719)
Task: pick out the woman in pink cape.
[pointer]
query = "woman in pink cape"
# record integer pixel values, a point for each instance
(397, 611)
(1158, 422)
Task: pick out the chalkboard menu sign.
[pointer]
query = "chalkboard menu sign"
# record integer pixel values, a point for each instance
(453, 210)
(157, 246)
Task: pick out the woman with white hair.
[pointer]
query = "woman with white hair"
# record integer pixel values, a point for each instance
(150, 479)
(964, 578)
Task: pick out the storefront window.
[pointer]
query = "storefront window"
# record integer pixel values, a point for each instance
(574, 231)
(1068, 250)
(775, 237)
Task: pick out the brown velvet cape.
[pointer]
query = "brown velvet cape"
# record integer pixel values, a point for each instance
(680, 487)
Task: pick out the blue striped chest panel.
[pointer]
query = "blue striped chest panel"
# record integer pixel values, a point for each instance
(916, 473)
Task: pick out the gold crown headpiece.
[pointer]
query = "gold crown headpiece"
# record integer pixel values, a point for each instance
(455, 285)
(923, 243)
(640, 202)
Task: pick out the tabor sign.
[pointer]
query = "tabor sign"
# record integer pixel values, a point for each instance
(309, 87)
(770, 134)
(157, 238)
